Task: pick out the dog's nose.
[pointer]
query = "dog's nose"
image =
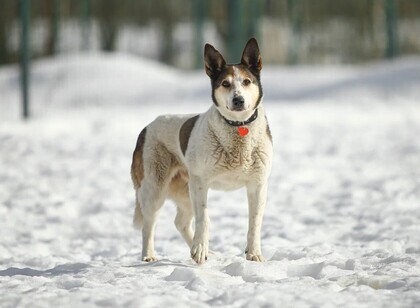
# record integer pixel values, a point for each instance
(238, 102)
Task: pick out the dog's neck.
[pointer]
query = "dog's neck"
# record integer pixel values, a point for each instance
(228, 133)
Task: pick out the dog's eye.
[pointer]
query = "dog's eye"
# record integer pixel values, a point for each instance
(226, 84)
(246, 82)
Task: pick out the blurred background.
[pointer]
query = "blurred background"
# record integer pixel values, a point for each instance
(89, 42)
(341, 85)
(173, 32)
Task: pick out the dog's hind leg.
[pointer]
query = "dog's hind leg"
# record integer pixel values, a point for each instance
(138, 215)
(151, 198)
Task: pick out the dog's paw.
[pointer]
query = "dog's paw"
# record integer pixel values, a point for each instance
(255, 257)
(150, 259)
(199, 252)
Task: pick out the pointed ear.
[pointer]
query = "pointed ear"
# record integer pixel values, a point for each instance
(213, 61)
(251, 56)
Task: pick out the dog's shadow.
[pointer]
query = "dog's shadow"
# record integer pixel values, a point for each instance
(62, 269)
(164, 262)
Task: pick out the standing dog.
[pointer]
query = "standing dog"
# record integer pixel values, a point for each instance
(181, 156)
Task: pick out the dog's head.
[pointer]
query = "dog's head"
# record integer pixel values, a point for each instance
(236, 88)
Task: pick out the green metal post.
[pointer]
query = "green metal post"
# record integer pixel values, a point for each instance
(199, 9)
(24, 8)
(294, 16)
(55, 25)
(254, 15)
(235, 39)
(85, 21)
(391, 28)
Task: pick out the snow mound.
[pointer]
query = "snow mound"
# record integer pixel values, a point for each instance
(94, 79)
(387, 81)
(101, 79)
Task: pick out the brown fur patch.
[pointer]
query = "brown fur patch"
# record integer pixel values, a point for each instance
(245, 73)
(178, 187)
(185, 133)
(137, 168)
(164, 164)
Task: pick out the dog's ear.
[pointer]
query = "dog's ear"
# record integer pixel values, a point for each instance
(251, 56)
(213, 61)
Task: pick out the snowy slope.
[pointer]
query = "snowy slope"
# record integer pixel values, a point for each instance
(342, 224)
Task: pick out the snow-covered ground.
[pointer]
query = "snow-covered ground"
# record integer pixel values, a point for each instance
(342, 224)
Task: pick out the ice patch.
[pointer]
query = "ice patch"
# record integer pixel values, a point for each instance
(280, 254)
(255, 271)
(381, 282)
(311, 270)
(181, 274)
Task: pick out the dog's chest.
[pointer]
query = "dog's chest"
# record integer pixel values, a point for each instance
(235, 166)
(236, 155)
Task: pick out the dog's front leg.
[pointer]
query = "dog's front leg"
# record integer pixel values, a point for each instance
(257, 195)
(198, 194)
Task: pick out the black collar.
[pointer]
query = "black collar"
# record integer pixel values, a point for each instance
(239, 123)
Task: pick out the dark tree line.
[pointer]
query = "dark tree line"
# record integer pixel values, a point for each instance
(235, 20)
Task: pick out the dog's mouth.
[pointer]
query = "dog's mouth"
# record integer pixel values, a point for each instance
(238, 109)
(236, 114)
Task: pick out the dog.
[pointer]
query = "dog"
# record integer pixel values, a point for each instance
(180, 157)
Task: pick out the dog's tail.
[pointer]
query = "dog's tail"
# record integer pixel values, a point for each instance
(138, 216)
(137, 175)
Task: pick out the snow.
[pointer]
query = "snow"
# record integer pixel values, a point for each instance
(342, 223)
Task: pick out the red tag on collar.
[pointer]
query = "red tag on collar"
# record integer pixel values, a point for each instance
(243, 131)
